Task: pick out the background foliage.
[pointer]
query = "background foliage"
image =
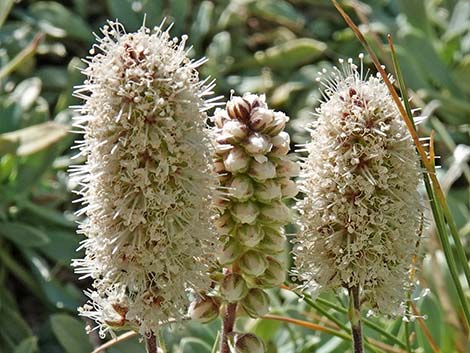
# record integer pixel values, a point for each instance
(271, 46)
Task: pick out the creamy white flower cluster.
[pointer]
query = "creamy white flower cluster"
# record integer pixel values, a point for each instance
(361, 212)
(147, 183)
(255, 174)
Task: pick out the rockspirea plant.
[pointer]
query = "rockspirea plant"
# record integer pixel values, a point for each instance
(254, 171)
(146, 184)
(361, 212)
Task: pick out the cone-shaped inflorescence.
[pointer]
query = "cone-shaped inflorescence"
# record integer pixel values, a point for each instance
(147, 182)
(361, 212)
(255, 174)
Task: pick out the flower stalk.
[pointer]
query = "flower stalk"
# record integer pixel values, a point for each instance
(354, 314)
(254, 171)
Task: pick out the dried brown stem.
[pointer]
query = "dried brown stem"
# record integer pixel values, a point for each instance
(151, 343)
(227, 326)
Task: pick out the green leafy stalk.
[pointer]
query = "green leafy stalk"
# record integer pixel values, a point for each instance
(314, 304)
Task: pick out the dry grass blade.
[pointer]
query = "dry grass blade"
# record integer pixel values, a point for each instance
(112, 342)
(425, 330)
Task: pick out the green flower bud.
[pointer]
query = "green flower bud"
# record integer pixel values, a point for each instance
(288, 188)
(245, 212)
(262, 171)
(274, 241)
(253, 263)
(277, 125)
(220, 117)
(256, 303)
(235, 131)
(248, 343)
(260, 118)
(204, 309)
(268, 191)
(281, 144)
(274, 275)
(242, 188)
(237, 161)
(224, 223)
(287, 168)
(230, 252)
(276, 212)
(250, 235)
(233, 287)
(257, 144)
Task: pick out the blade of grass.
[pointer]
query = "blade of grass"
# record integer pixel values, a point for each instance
(215, 347)
(308, 299)
(431, 178)
(5, 8)
(114, 341)
(315, 327)
(23, 55)
(425, 330)
(308, 325)
(448, 216)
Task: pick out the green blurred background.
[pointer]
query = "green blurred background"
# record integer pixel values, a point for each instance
(266, 46)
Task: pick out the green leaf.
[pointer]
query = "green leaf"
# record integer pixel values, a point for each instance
(5, 7)
(131, 13)
(434, 322)
(23, 235)
(58, 21)
(416, 14)
(279, 11)
(44, 215)
(70, 333)
(13, 325)
(28, 345)
(266, 329)
(291, 54)
(62, 247)
(179, 10)
(460, 21)
(58, 295)
(132, 345)
(202, 23)
(37, 137)
(417, 45)
(7, 146)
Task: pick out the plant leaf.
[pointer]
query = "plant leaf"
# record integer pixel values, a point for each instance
(23, 235)
(70, 333)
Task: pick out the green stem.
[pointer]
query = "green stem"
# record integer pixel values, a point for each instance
(407, 324)
(446, 247)
(161, 342)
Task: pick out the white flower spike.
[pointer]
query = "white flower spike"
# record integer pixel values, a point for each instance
(146, 184)
(360, 216)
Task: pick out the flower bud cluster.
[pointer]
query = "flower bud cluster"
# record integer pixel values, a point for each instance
(361, 214)
(255, 172)
(146, 183)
